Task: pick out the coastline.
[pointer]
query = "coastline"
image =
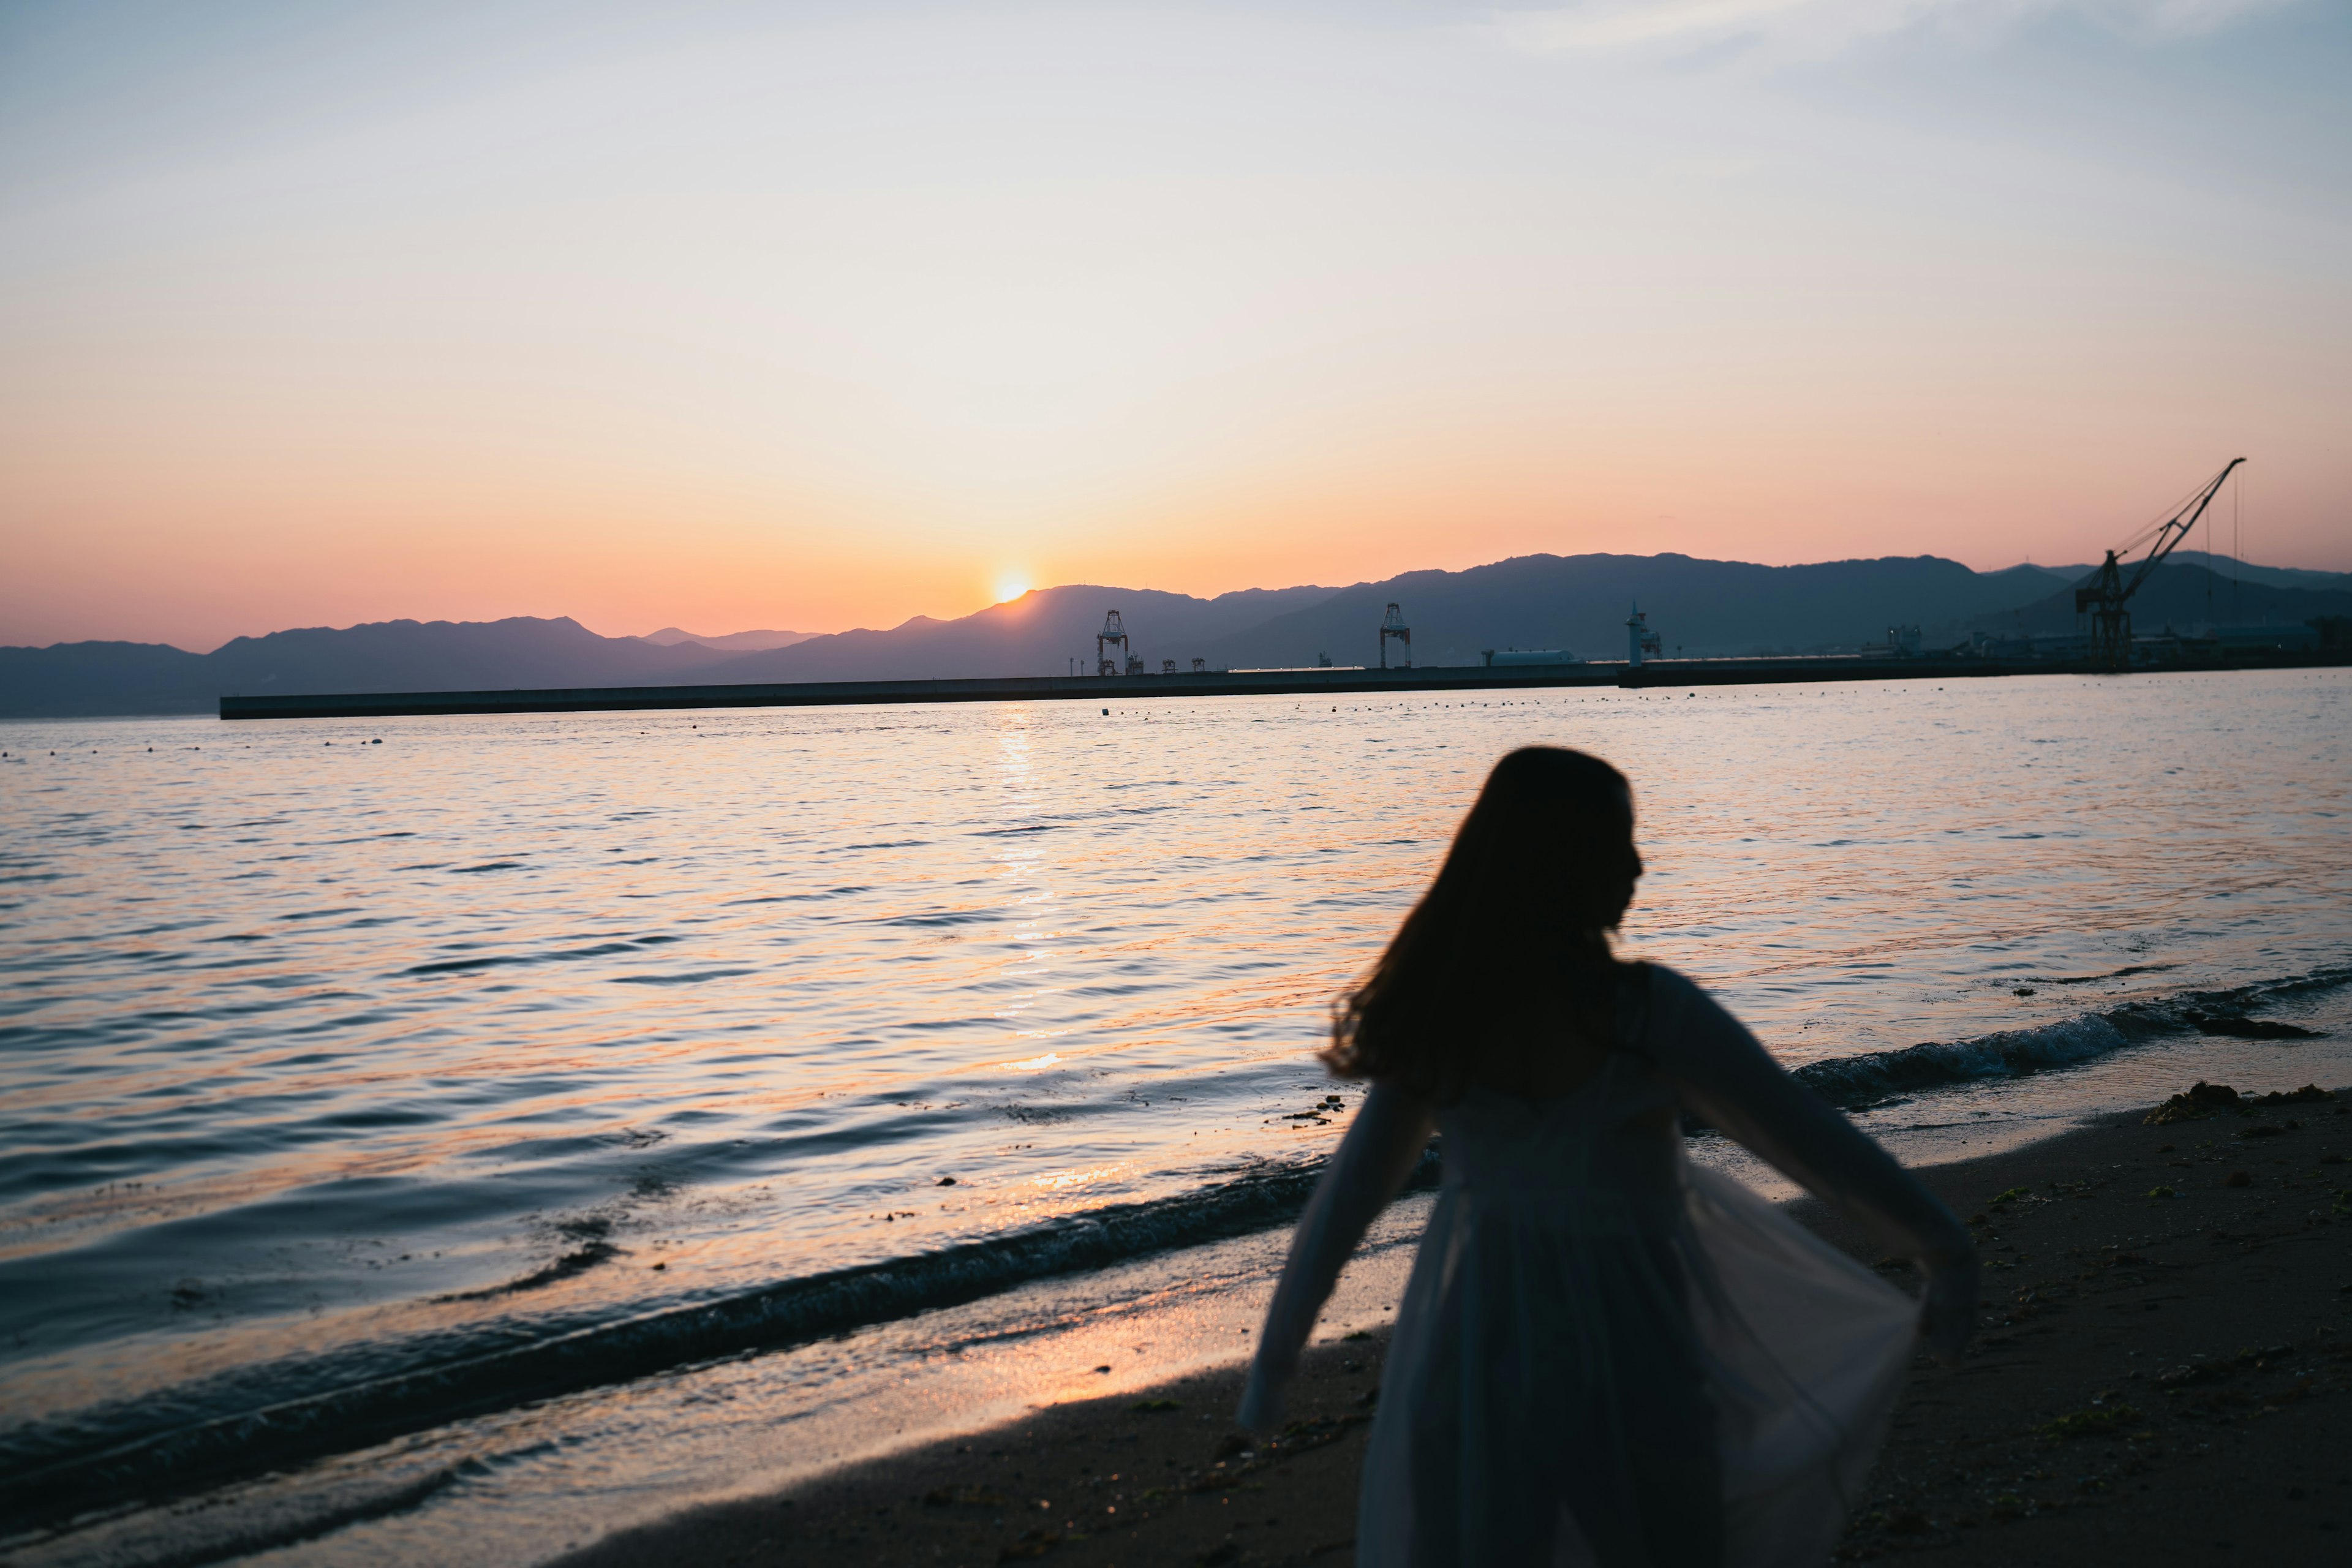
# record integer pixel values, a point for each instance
(1668, 674)
(2159, 1378)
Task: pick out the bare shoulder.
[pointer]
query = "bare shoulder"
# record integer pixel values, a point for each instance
(1685, 1017)
(1670, 984)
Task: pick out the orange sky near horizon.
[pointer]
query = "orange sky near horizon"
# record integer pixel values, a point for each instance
(721, 321)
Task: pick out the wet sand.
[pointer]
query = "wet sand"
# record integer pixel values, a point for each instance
(2161, 1378)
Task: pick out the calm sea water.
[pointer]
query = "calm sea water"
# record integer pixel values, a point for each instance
(355, 1091)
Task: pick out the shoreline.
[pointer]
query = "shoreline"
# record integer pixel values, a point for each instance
(2184, 1359)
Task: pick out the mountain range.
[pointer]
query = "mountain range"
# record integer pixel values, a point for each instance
(1577, 603)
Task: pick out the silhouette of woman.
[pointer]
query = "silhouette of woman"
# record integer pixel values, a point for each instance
(1604, 1355)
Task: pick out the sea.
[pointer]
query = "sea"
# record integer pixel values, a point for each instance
(454, 1139)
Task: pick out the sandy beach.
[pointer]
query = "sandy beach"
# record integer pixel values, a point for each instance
(2167, 1342)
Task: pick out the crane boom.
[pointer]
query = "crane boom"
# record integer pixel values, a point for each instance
(2105, 592)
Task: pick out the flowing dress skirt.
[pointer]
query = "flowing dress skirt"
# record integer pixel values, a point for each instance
(1592, 1368)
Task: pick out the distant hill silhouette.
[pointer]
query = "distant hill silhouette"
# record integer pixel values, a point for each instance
(2184, 597)
(96, 679)
(2243, 571)
(1037, 634)
(1576, 601)
(88, 680)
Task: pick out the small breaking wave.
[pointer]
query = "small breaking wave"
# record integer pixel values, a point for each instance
(1873, 1076)
(201, 1534)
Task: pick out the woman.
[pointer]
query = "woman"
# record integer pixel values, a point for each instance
(1604, 1355)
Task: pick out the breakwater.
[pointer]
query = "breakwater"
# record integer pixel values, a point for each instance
(1659, 673)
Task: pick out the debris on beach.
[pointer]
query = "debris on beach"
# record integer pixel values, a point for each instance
(1241, 1457)
(2237, 1026)
(2100, 1420)
(2202, 1099)
(1032, 1543)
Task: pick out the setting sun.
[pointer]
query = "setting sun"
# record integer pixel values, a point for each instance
(1010, 585)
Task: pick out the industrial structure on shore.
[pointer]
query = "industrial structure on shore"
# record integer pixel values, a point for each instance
(2107, 594)
(1319, 681)
(2108, 647)
(2104, 597)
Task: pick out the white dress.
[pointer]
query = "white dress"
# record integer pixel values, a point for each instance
(1605, 1355)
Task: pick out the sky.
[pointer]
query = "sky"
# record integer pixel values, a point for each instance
(818, 316)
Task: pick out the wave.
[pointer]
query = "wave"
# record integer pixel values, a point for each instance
(1874, 1076)
(201, 1536)
(288, 1413)
(106, 1456)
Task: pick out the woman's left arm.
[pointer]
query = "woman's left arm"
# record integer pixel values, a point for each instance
(1371, 1166)
(1729, 1078)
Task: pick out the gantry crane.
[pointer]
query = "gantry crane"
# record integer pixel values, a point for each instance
(1392, 626)
(1114, 631)
(2106, 592)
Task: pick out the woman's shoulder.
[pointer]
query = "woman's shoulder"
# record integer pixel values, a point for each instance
(1657, 980)
(1664, 999)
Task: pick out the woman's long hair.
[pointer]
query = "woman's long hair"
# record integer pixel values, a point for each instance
(1514, 932)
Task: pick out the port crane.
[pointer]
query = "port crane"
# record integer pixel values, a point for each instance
(1392, 626)
(2106, 592)
(1639, 638)
(1114, 631)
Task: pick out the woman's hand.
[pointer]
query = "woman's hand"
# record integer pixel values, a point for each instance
(1947, 1313)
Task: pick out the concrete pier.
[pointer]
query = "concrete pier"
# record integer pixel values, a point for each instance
(1650, 674)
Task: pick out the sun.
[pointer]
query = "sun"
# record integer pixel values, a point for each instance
(1010, 585)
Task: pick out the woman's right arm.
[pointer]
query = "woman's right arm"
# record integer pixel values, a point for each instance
(1729, 1078)
(1370, 1167)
